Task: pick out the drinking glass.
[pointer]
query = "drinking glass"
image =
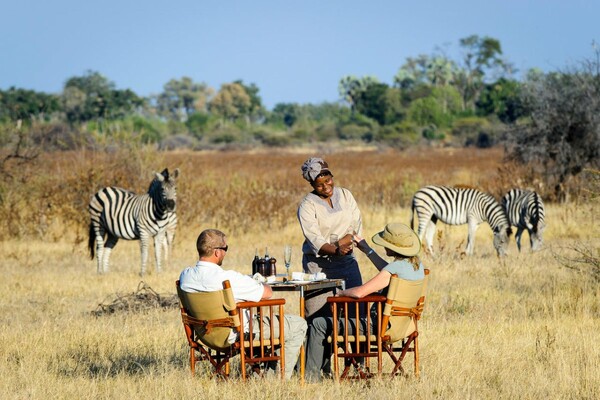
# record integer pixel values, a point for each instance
(287, 259)
(334, 240)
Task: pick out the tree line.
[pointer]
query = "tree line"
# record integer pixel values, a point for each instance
(545, 119)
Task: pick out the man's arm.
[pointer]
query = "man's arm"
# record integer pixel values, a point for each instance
(267, 292)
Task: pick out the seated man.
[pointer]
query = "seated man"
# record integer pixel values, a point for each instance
(401, 243)
(208, 276)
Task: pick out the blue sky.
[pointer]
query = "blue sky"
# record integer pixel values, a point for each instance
(294, 51)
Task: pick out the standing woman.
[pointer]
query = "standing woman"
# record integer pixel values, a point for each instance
(327, 213)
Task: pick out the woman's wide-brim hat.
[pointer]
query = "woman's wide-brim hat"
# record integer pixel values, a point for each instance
(399, 238)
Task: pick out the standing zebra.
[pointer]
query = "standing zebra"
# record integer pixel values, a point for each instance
(116, 214)
(458, 206)
(525, 210)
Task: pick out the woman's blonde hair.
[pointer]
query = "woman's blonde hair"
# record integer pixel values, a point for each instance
(414, 260)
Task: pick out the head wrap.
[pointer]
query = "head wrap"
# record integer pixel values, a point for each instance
(313, 167)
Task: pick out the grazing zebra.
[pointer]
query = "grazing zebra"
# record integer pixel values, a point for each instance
(458, 206)
(116, 214)
(525, 210)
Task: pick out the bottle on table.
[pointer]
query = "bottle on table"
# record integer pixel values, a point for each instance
(272, 267)
(255, 263)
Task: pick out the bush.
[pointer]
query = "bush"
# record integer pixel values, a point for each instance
(198, 124)
(400, 135)
(179, 141)
(471, 131)
(277, 140)
(353, 131)
(326, 132)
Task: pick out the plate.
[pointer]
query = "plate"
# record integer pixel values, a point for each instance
(309, 281)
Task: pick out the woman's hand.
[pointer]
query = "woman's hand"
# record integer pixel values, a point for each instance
(361, 243)
(345, 245)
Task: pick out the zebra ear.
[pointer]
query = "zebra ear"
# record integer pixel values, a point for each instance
(175, 173)
(159, 177)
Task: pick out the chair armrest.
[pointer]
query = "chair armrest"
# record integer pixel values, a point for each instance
(262, 303)
(372, 298)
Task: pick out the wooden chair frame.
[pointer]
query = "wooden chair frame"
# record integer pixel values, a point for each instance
(362, 343)
(366, 343)
(255, 350)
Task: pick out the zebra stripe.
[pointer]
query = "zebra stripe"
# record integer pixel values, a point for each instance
(525, 210)
(458, 206)
(117, 213)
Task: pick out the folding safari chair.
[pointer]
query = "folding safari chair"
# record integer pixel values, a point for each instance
(353, 340)
(208, 320)
(402, 311)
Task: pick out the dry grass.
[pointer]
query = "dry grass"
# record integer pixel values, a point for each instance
(525, 328)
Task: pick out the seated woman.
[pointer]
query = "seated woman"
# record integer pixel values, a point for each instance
(401, 243)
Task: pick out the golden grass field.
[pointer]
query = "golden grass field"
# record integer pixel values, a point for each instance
(522, 328)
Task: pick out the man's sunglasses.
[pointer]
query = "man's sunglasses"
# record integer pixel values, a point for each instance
(223, 248)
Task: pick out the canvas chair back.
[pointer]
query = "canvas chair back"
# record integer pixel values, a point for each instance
(402, 307)
(216, 315)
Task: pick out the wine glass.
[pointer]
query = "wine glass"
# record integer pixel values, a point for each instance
(287, 259)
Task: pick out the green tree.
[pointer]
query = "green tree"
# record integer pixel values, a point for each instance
(22, 104)
(351, 88)
(440, 71)
(231, 102)
(286, 113)
(481, 56)
(181, 98)
(381, 103)
(412, 73)
(371, 102)
(501, 98)
(87, 97)
(92, 96)
(438, 108)
(256, 111)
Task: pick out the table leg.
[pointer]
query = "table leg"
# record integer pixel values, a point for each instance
(302, 354)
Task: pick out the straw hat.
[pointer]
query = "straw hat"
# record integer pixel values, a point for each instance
(398, 238)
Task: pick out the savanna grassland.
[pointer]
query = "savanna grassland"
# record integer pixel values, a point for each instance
(525, 327)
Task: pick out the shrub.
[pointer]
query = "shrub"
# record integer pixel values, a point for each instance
(473, 131)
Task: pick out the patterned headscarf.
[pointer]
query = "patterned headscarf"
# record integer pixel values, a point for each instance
(313, 167)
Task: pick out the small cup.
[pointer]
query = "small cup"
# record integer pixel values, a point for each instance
(333, 239)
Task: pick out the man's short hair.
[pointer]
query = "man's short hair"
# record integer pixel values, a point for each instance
(208, 240)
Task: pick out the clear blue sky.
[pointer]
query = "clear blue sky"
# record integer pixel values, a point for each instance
(294, 51)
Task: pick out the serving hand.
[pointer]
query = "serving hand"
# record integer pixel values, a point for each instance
(361, 243)
(346, 244)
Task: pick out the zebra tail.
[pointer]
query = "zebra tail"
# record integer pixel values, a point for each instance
(92, 241)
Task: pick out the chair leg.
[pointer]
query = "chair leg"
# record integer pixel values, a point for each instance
(416, 351)
(243, 363)
(192, 361)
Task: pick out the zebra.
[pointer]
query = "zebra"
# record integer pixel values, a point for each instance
(525, 210)
(117, 213)
(458, 206)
